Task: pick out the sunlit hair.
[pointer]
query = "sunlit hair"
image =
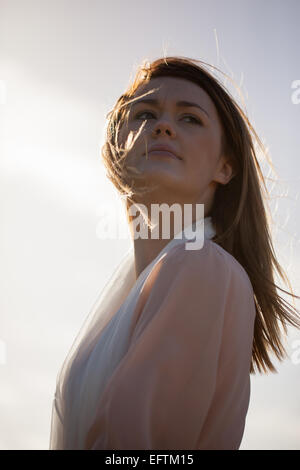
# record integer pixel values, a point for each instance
(239, 207)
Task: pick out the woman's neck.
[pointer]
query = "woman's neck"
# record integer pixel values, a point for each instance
(147, 248)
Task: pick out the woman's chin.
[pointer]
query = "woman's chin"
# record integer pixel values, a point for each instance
(161, 169)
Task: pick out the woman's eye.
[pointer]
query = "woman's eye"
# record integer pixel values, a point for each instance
(195, 120)
(144, 112)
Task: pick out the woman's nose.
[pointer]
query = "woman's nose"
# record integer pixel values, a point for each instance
(163, 128)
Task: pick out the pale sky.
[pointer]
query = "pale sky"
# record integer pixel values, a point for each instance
(63, 65)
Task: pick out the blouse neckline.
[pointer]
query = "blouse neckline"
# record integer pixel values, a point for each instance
(183, 236)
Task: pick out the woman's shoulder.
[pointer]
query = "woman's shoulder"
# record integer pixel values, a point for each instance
(211, 258)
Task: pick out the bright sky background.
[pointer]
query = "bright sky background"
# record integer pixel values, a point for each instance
(63, 64)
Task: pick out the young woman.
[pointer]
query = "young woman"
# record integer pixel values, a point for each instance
(165, 356)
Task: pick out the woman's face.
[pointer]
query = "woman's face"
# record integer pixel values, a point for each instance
(192, 131)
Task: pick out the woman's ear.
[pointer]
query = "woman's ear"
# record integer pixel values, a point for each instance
(224, 171)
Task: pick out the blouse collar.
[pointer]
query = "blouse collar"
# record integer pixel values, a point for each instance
(200, 229)
(192, 235)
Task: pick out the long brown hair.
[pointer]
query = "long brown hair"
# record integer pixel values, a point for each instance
(239, 211)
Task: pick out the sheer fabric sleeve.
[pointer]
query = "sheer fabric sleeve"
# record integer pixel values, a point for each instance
(184, 382)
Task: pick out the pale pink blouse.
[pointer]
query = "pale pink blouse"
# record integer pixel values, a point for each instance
(171, 367)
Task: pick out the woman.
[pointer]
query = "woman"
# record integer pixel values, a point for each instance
(165, 357)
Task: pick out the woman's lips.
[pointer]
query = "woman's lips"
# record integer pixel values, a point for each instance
(163, 153)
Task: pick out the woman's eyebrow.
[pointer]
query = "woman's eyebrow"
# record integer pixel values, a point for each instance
(181, 103)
